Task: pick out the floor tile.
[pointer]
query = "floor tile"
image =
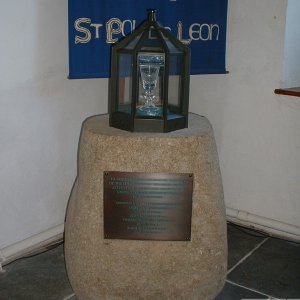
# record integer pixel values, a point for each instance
(41, 277)
(274, 269)
(233, 292)
(240, 242)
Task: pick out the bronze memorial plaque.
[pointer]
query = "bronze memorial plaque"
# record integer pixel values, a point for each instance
(148, 206)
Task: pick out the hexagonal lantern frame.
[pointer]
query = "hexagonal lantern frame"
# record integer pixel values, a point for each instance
(156, 49)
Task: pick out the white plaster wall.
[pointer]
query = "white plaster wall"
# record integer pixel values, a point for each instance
(41, 112)
(257, 132)
(292, 46)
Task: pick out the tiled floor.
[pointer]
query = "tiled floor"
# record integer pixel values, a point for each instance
(258, 268)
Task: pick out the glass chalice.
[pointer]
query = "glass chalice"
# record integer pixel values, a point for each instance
(149, 68)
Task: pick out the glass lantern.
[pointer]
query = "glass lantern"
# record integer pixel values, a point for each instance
(149, 84)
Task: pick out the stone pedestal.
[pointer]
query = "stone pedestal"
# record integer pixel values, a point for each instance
(102, 269)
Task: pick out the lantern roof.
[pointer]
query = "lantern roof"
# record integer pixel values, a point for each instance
(151, 36)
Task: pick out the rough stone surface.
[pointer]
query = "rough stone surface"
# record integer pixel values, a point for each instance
(134, 270)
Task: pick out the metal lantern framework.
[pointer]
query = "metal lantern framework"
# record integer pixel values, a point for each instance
(149, 84)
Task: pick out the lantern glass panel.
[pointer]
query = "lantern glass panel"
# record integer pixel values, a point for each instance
(174, 89)
(125, 83)
(150, 73)
(133, 43)
(150, 41)
(171, 46)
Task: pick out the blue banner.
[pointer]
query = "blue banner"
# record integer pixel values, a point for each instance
(94, 25)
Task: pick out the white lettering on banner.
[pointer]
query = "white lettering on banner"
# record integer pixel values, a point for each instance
(97, 26)
(212, 26)
(114, 27)
(87, 37)
(203, 32)
(179, 34)
(131, 24)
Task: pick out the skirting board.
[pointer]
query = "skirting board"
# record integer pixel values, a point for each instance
(32, 245)
(53, 235)
(271, 227)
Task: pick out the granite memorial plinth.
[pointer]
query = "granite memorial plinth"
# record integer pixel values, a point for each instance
(101, 268)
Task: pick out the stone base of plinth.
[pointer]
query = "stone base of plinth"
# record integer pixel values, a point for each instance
(113, 269)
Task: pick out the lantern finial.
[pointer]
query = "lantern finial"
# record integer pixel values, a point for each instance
(151, 14)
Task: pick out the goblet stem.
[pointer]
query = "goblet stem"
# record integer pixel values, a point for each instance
(149, 98)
